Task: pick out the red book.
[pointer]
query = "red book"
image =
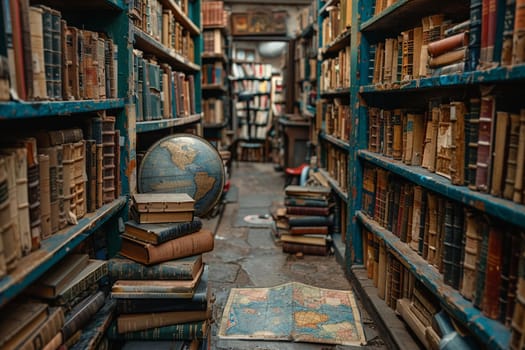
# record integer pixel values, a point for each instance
(493, 273)
(307, 210)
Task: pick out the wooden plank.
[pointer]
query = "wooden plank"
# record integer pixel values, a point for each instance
(167, 123)
(31, 109)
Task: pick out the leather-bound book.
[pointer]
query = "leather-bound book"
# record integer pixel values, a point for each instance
(431, 135)
(483, 229)
(506, 257)
(181, 331)
(52, 154)
(307, 210)
(22, 196)
(418, 138)
(432, 228)
(520, 162)
(408, 137)
(380, 200)
(422, 228)
(21, 318)
(158, 233)
(368, 238)
(448, 247)
(373, 129)
(439, 47)
(308, 249)
(498, 157)
(513, 276)
(472, 145)
(108, 167)
(471, 255)
(79, 316)
(38, 91)
(5, 216)
(448, 58)
(302, 230)
(508, 31)
(493, 273)
(47, 330)
(457, 162)
(518, 43)
(517, 339)
(92, 335)
(474, 35)
(45, 196)
(195, 243)
(10, 236)
(68, 182)
(458, 242)
(395, 283)
(485, 143)
(117, 184)
(369, 190)
(444, 141)
(33, 183)
(71, 86)
(18, 46)
(397, 131)
(381, 271)
(101, 67)
(91, 171)
(511, 157)
(79, 157)
(178, 269)
(89, 65)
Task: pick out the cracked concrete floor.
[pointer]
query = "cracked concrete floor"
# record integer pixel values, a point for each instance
(245, 255)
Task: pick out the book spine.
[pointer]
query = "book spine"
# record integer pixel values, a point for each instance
(79, 180)
(307, 249)
(199, 242)
(493, 273)
(68, 295)
(448, 240)
(11, 236)
(123, 269)
(457, 163)
(478, 299)
(311, 221)
(307, 211)
(5, 216)
(140, 322)
(45, 333)
(81, 314)
(93, 334)
(471, 256)
(498, 161)
(508, 31)
(474, 44)
(484, 143)
(45, 196)
(520, 162)
(184, 331)
(517, 339)
(512, 154)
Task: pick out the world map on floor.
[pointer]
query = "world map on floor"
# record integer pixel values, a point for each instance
(295, 312)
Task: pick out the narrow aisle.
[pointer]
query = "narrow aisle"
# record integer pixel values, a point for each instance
(245, 255)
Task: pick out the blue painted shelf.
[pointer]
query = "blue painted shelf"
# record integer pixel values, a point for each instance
(154, 125)
(495, 75)
(344, 145)
(491, 332)
(337, 92)
(35, 109)
(53, 249)
(147, 43)
(334, 185)
(494, 206)
(337, 44)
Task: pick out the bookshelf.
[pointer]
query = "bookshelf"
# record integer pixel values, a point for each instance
(331, 125)
(386, 85)
(111, 102)
(215, 65)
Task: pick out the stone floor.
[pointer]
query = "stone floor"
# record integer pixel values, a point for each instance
(246, 255)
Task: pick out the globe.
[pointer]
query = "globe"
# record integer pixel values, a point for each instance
(184, 163)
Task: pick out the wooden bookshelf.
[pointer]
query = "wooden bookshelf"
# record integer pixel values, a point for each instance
(40, 109)
(153, 125)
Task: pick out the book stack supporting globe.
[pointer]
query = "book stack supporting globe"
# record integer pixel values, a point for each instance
(310, 220)
(159, 279)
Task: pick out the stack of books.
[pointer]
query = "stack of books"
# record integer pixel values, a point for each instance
(59, 309)
(159, 279)
(310, 220)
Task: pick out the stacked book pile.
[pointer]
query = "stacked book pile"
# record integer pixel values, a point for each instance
(64, 308)
(310, 220)
(159, 278)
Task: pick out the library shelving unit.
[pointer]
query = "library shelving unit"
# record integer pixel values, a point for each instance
(107, 95)
(215, 85)
(331, 123)
(470, 268)
(25, 118)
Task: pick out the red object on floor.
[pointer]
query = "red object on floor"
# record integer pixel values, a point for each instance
(292, 173)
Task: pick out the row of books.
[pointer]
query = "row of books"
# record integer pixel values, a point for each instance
(470, 143)
(158, 21)
(306, 16)
(52, 179)
(335, 72)
(309, 220)
(337, 165)
(381, 5)
(257, 102)
(251, 70)
(159, 91)
(456, 241)
(213, 73)
(213, 110)
(253, 86)
(338, 21)
(160, 281)
(213, 14)
(401, 291)
(213, 41)
(336, 117)
(253, 124)
(50, 60)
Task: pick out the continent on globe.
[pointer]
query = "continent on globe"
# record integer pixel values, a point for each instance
(182, 154)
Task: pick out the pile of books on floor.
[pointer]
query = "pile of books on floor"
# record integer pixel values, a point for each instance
(309, 220)
(66, 308)
(159, 278)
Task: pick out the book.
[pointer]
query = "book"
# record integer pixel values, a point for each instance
(300, 220)
(447, 44)
(199, 301)
(182, 331)
(158, 233)
(47, 330)
(19, 319)
(471, 255)
(195, 243)
(180, 269)
(498, 157)
(81, 313)
(54, 281)
(93, 333)
(163, 202)
(517, 195)
(309, 249)
(472, 145)
(11, 240)
(512, 154)
(37, 47)
(457, 161)
(93, 272)
(491, 292)
(161, 217)
(307, 191)
(293, 210)
(45, 196)
(305, 239)
(431, 135)
(138, 322)
(485, 143)
(164, 345)
(151, 287)
(301, 230)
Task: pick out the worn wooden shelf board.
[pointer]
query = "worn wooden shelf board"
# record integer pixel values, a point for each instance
(344, 145)
(35, 109)
(335, 186)
(153, 125)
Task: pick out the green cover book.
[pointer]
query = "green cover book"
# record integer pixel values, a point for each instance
(160, 233)
(179, 269)
(182, 331)
(91, 274)
(94, 331)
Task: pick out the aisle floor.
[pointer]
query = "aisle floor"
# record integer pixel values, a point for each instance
(246, 255)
